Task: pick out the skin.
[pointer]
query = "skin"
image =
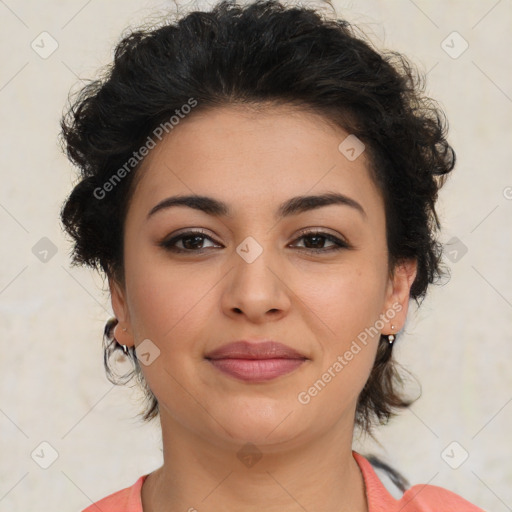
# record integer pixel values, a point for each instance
(317, 303)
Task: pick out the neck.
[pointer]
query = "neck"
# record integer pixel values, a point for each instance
(198, 475)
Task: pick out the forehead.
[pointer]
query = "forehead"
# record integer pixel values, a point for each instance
(253, 157)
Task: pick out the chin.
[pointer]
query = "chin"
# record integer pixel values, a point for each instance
(262, 422)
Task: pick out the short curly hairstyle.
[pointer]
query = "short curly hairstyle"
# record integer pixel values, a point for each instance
(260, 55)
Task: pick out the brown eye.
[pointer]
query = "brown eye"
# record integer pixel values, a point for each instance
(315, 241)
(191, 241)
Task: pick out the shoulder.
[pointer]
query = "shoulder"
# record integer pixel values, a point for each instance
(125, 500)
(426, 498)
(418, 498)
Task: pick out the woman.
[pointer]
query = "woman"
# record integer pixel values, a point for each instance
(259, 185)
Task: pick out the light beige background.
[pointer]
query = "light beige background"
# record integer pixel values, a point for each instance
(459, 343)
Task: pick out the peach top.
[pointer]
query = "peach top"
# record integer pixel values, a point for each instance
(418, 498)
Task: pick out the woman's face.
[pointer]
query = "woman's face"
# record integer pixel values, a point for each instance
(252, 274)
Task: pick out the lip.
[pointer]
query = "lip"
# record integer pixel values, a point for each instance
(262, 350)
(255, 362)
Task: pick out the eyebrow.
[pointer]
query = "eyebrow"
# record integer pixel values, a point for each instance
(293, 206)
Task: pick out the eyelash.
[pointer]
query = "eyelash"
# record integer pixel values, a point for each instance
(339, 244)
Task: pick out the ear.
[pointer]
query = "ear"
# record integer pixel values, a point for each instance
(121, 312)
(397, 295)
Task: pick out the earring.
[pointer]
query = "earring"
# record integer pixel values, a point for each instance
(110, 328)
(125, 348)
(391, 337)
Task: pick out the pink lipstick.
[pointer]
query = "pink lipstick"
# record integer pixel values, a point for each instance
(255, 362)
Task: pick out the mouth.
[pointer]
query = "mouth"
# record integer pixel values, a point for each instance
(255, 362)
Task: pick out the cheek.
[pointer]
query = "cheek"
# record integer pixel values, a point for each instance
(347, 299)
(157, 303)
(169, 303)
(347, 309)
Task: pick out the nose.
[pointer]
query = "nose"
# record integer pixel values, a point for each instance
(256, 287)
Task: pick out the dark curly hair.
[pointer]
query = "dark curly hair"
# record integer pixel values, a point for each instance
(261, 55)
